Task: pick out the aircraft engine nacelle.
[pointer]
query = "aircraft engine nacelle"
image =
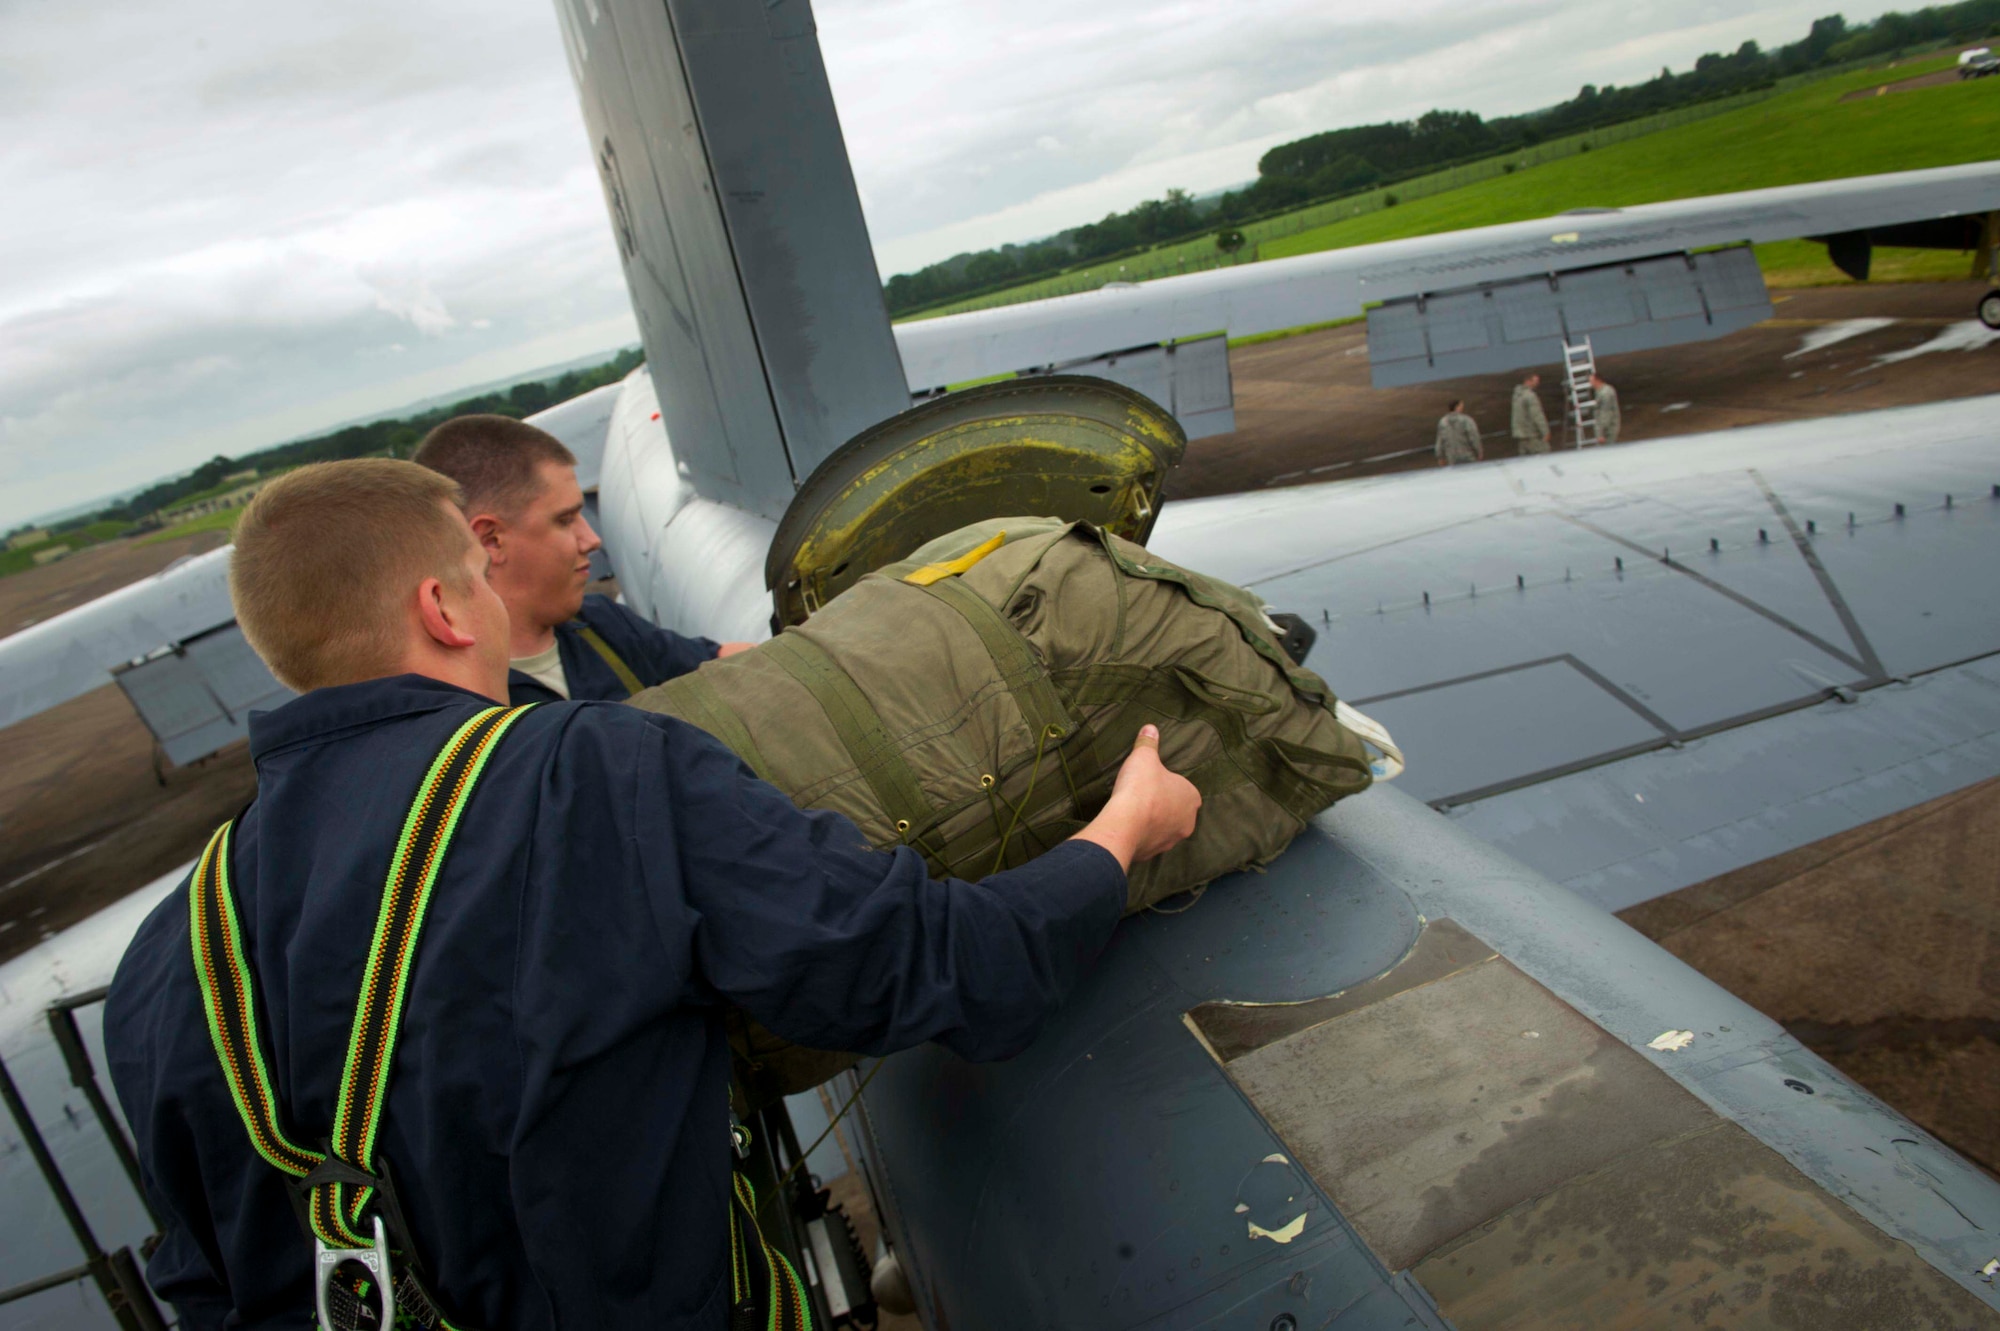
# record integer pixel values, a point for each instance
(685, 562)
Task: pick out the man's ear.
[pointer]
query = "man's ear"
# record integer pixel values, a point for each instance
(437, 616)
(487, 530)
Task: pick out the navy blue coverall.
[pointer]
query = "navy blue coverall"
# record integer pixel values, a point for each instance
(557, 1120)
(654, 654)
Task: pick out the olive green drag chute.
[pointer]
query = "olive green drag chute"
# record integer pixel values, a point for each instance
(975, 700)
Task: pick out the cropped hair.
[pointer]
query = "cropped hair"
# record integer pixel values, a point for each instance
(325, 557)
(493, 459)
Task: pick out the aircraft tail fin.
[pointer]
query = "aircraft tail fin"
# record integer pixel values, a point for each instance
(741, 234)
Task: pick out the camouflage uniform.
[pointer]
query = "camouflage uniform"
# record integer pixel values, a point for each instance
(1531, 427)
(1608, 418)
(1457, 439)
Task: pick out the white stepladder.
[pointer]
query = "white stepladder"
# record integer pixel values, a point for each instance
(1578, 367)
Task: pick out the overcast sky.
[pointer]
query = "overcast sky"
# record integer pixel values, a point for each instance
(225, 223)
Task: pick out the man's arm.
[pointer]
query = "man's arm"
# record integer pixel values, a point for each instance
(838, 946)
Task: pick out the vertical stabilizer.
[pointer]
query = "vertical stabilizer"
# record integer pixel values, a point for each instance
(737, 221)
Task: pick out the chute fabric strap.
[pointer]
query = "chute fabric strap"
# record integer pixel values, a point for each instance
(1279, 768)
(951, 568)
(335, 1210)
(1041, 706)
(855, 722)
(777, 1301)
(1211, 594)
(701, 706)
(597, 644)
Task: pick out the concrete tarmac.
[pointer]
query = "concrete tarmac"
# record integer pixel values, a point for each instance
(88, 810)
(1306, 413)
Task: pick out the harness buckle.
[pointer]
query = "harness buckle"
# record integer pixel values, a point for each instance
(342, 1306)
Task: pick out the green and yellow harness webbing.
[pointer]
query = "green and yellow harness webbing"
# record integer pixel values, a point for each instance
(341, 1185)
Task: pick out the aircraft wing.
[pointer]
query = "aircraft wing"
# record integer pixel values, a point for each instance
(170, 639)
(1640, 667)
(67, 656)
(1626, 277)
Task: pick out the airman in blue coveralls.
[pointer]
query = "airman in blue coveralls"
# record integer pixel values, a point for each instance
(524, 504)
(555, 1120)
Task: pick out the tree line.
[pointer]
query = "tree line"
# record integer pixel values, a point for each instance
(1347, 161)
(395, 437)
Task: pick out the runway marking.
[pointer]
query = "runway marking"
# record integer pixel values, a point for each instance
(1960, 335)
(84, 849)
(1404, 453)
(1282, 477)
(1838, 330)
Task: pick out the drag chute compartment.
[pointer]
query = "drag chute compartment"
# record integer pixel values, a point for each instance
(1068, 446)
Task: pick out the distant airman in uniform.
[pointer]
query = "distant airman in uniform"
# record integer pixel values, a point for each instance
(1530, 425)
(1458, 437)
(1609, 421)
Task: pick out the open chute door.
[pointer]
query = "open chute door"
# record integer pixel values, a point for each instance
(1062, 446)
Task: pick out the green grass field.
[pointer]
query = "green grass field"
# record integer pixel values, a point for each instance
(19, 561)
(221, 520)
(77, 538)
(1797, 134)
(1199, 254)
(1801, 135)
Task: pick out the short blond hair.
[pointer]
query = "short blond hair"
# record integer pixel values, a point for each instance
(324, 557)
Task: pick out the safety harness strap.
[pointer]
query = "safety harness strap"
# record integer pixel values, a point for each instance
(230, 1005)
(343, 1187)
(420, 851)
(773, 1299)
(611, 658)
(340, 1187)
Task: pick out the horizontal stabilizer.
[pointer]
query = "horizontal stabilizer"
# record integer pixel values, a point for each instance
(1190, 379)
(1495, 327)
(196, 696)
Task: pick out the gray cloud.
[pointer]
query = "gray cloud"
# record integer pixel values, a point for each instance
(242, 218)
(227, 223)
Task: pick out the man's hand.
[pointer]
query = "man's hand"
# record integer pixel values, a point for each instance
(1151, 810)
(731, 648)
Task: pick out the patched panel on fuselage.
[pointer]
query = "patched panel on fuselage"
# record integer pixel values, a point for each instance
(1440, 1107)
(1530, 1170)
(1231, 1030)
(1714, 1230)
